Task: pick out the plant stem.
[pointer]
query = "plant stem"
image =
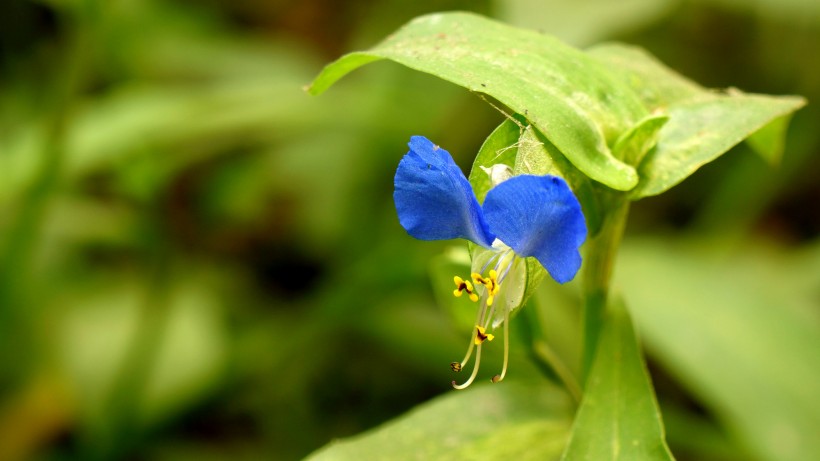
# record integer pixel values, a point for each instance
(600, 258)
(546, 355)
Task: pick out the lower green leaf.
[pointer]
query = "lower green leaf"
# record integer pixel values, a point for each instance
(619, 417)
(503, 421)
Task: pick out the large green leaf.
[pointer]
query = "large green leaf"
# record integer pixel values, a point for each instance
(658, 86)
(574, 100)
(619, 417)
(586, 22)
(740, 331)
(504, 421)
(703, 124)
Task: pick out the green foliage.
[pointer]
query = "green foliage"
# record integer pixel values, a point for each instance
(585, 107)
(560, 90)
(615, 117)
(619, 417)
(200, 261)
(517, 420)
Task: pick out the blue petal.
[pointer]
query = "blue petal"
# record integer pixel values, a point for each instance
(434, 200)
(539, 216)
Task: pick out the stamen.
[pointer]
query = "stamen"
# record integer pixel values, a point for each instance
(473, 375)
(488, 317)
(492, 285)
(490, 282)
(499, 378)
(481, 336)
(458, 366)
(462, 286)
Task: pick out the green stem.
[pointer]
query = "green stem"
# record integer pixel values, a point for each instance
(597, 272)
(547, 356)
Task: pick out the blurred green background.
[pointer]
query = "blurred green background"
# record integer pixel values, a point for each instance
(200, 261)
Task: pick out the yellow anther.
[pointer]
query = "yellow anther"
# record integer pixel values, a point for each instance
(462, 286)
(455, 366)
(490, 282)
(494, 281)
(481, 336)
(477, 278)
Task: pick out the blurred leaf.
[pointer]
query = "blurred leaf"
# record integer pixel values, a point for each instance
(569, 97)
(694, 435)
(800, 11)
(770, 140)
(505, 421)
(99, 327)
(192, 355)
(702, 124)
(619, 416)
(585, 22)
(740, 331)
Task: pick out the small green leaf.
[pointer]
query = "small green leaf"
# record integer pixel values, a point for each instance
(578, 104)
(619, 417)
(633, 145)
(504, 421)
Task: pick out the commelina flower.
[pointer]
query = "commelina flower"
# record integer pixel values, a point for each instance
(522, 216)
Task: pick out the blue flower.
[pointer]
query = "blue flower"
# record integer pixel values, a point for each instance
(522, 216)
